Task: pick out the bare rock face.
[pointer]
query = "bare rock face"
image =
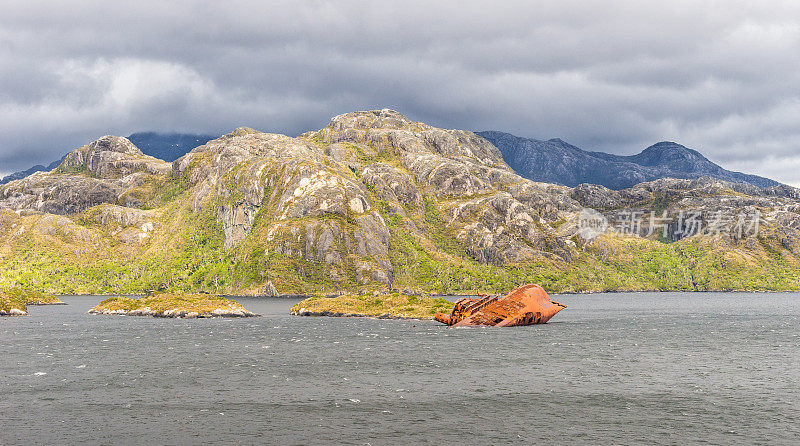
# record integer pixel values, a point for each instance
(392, 185)
(446, 159)
(290, 179)
(596, 196)
(550, 201)
(123, 216)
(450, 179)
(269, 289)
(127, 225)
(465, 171)
(60, 194)
(240, 166)
(388, 129)
(372, 239)
(783, 191)
(701, 192)
(315, 191)
(500, 229)
(348, 154)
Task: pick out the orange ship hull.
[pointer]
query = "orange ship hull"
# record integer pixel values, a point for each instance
(526, 305)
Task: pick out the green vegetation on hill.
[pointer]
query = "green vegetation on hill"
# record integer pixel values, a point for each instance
(371, 202)
(187, 254)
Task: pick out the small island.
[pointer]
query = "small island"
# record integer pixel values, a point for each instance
(15, 301)
(385, 306)
(173, 305)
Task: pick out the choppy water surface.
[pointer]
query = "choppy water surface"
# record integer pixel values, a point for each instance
(665, 368)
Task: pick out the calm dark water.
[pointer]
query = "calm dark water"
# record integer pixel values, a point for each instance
(639, 368)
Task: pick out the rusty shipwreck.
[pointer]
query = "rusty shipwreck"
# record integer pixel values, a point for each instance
(526, 305)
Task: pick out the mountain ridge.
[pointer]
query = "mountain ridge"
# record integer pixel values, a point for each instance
(376, 201)
(556, 161)
(524, 155)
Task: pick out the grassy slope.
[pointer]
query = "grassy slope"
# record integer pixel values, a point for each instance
(395, 304)
(186, 254)
(203, 304)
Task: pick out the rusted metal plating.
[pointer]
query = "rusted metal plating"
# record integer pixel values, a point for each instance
(526, 305)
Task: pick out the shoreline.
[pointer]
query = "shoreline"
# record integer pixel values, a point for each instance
(180, 314)
(340, 314)
(434, 295)
(566, 293)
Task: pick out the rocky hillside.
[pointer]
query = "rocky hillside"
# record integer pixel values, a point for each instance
(373, 201)
(555, 161)
(108, 171)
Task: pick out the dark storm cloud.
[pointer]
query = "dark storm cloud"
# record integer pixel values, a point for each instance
(722, 77)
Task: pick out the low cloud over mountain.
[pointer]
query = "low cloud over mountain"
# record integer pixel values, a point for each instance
(613, 76)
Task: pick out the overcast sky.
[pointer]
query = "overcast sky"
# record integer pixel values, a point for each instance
(720, 77)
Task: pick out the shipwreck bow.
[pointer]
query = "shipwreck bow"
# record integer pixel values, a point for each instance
(526, 305)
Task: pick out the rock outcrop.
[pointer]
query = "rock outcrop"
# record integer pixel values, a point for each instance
(105, 171)
(112, 157)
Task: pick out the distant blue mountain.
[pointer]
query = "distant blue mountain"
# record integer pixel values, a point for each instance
(168, 146)
(555, 161)
(24, 173)
(165, 146)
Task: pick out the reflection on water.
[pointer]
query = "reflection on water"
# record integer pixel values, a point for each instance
(612, 368)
